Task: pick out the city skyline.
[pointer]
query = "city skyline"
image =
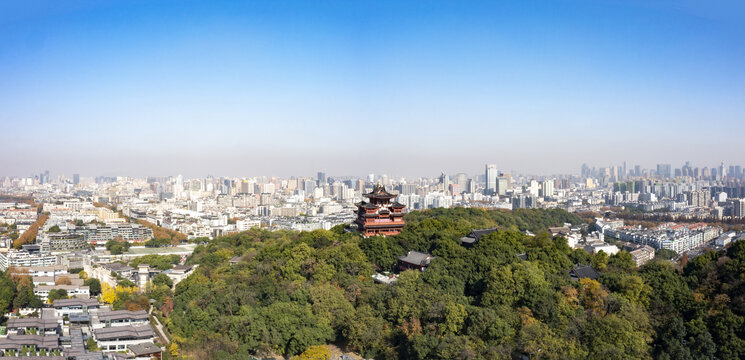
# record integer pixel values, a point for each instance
(150, 89)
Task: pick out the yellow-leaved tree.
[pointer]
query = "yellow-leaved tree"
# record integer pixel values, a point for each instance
(319, 352)
(108, 293)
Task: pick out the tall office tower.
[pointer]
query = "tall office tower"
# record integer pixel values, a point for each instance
(637, 170)
(321, 178)
(445, 181)
(76, 179)
(547, 188)
(705, 173)
(664, 170)
(462, 180)
(407, 189)
(491, 179)
(722, 172)
(471, 186)
(502, 185)
(371, 178)
(309, 187)
(738, 207)
(624, 171)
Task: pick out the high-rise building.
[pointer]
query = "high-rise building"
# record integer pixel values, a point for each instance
(502, 185)
(664, 170)
(462, 180)
(722, 171)
(547, 188)
(321, 178)
(738, 207)
(491, 179)
(76, 179)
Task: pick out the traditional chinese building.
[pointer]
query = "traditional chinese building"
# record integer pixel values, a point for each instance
(380, 216)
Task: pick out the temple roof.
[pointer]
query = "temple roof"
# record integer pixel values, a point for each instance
(380, 193)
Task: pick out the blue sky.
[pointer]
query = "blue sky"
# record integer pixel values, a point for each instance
(405, 88)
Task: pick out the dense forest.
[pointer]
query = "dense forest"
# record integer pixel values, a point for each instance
(291, 291)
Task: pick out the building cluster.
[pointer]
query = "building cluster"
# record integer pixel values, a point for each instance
(67, 327)
(64, 329)
(671, 236)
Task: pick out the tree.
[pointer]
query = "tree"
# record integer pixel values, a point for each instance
(92, 345)
(94, 286)
(54, 229)
(29, 236)
(600, 260)
(162, 280)
(622, 260)
(319, 352)
(125, 283)
(117, 247)
(108, 293)
(56, 294)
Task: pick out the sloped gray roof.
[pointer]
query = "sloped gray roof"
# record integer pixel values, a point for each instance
(416, 257)
(122, 332)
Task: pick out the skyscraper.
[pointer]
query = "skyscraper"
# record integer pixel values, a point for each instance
(664, 170)
(321, 178)
(76, 179)
(491, 179)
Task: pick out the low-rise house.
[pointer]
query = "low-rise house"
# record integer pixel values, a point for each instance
(64, 307)
(120, 269)
(42, 291)
(34, 326)
(109, 318)
(145, 351)
(471, 239)
(583, 272)
(559, 231)
(414, 260)
(16, 343)
(604, 247)
(119, 337)
(180, 272)
(37, 271)
(642, 255)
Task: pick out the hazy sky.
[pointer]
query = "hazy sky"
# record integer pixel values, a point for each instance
(352, 87)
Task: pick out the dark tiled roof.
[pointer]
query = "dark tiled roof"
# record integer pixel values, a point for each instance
(75, 302)
(122, 315)
(40, 341)
(115, 266)
(478, 233)
(379, 192)
(584, 272)
(416, 257)
(124, 332)
(32, 323)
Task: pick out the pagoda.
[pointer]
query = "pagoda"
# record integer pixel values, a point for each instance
(380, 216)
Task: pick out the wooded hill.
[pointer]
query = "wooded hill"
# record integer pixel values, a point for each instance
(293, 290)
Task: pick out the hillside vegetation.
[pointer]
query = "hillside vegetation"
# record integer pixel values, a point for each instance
(293, 290)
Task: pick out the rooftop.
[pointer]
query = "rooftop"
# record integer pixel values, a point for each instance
(144, 349)
(75, 302)
(32, 323)
(120, 332)
(416, 257)
(122, 315)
